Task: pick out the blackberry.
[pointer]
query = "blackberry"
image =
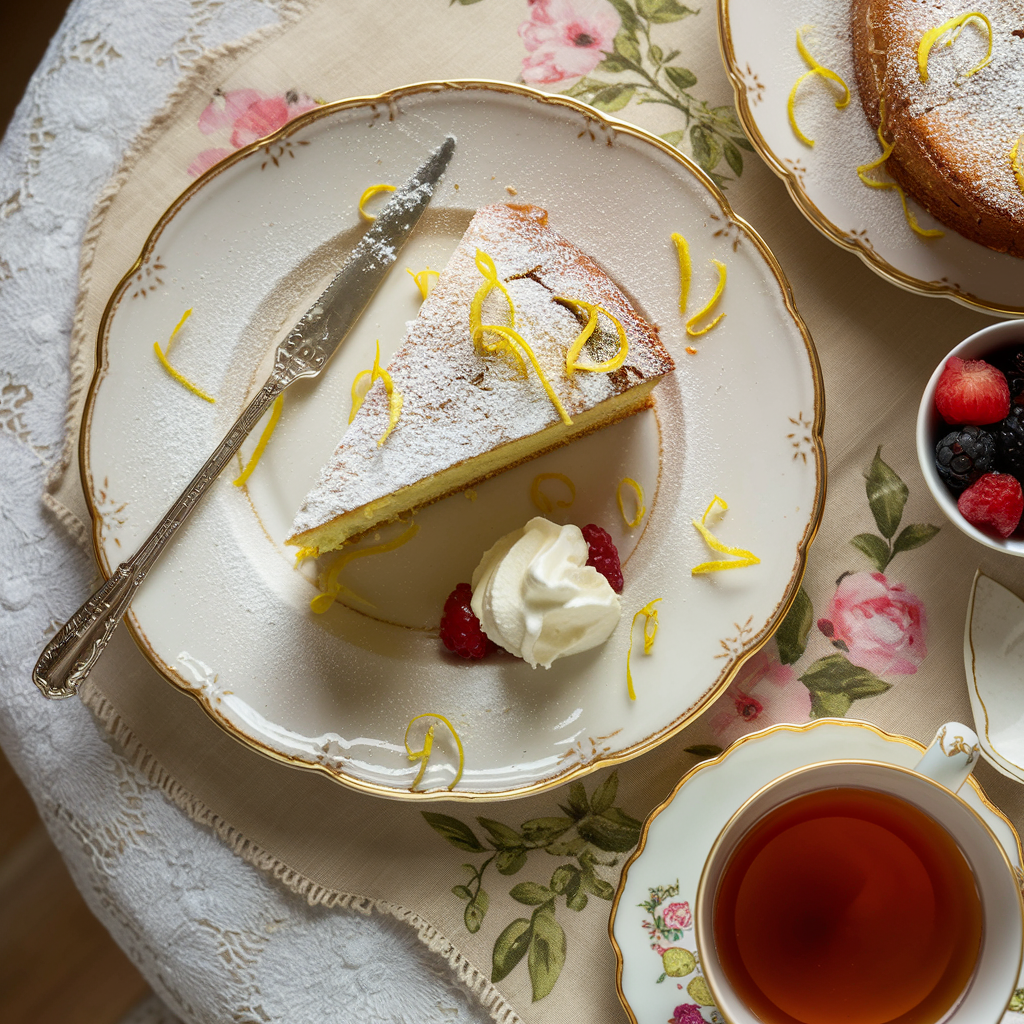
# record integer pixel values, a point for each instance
(963, 455)
(1012, 365)
(1010, 442)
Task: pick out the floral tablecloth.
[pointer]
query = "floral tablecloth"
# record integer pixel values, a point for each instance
(515, 899)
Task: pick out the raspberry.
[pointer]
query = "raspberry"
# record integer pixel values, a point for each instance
(963, 455)
(604, 556)
(460, 628)
(994, 501)
(972, 392)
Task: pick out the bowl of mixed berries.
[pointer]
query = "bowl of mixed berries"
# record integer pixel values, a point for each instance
(970, 436)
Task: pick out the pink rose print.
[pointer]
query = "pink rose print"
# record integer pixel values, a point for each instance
(687, 1013)
(250, 116)
(765, 693)
(677, 915)
(566, 38)
(880, 625)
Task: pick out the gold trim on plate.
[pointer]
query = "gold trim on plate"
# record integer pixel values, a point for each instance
(792, 172)
(611, 127)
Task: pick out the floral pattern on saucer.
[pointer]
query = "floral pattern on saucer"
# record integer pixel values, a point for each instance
(652, 917)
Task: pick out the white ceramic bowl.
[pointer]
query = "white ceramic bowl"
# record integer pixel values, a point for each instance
(977, 346)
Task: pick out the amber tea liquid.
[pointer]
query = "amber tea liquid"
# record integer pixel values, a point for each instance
(848, 906)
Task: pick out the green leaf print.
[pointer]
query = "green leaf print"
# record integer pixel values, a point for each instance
(454, 831)
(578, 803)
(476, 909)
(592, 827)
(887, 496)
(508, 862)
(604, 795)
(835, 683)
(874, 547)
(649, 75)
(547, 952)
(613, 97)
(503, 837)
(510, 948)
(531, 893)
(612, 831)
(662, 11)
(914, 536)
(541, 831)
(791, 636)
(681, 78)
(704, 750)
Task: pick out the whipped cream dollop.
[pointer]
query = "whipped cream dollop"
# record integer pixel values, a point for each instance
(535, 595)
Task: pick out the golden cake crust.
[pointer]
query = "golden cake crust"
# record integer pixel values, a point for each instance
(953, 134)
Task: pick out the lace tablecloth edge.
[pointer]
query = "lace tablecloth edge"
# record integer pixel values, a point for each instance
(475, 980)
(80, 374)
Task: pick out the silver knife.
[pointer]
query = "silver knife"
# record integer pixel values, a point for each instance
(69, 657)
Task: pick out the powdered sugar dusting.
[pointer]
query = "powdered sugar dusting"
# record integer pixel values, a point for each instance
(958, 129)
(974, 120)
(459, 403)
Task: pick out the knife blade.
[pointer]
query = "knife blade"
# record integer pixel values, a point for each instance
(68, 658)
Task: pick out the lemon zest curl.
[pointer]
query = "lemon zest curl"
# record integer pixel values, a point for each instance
(954, 26)
(395, 399)
(180, 377)
(261, 444)
(330, 588)
(712, 302)
(816, 69)
(743, 557)
(423, 280)
(515, 337)
(685, 270)
(887, 148)
(542, 501)
(581, 339)
(368, 194)
(1018, 171)
(650, 614)
(641, 508)
(423, 756)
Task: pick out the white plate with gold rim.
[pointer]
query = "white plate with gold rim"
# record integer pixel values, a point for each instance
(758, 41)
(653, 907)
(225, 615)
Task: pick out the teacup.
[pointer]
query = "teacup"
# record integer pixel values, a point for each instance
(756, 836)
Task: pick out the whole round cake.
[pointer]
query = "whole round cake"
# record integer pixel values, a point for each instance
(954, 125)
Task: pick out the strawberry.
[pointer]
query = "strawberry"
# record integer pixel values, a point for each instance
(972, 391)
(993, 502)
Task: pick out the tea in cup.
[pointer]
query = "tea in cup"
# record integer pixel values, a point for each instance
(862, 893)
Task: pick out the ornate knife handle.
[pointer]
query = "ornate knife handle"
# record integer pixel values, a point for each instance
(69, 657)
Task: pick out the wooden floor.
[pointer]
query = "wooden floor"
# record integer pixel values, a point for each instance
(58, 965)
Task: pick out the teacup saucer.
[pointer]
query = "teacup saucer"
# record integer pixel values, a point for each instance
(651, 927)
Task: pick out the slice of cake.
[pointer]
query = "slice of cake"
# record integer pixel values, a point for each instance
(468, 413)
(954, 132)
